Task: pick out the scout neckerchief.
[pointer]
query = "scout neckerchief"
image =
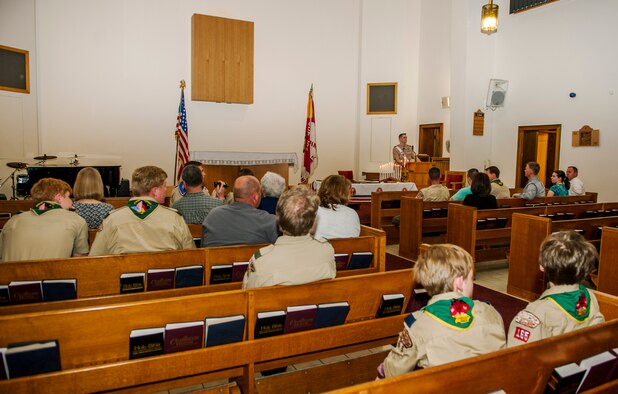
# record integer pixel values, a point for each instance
(142, 208)
(498, 181)
(454, 313)
(576, 304)
(44, 206)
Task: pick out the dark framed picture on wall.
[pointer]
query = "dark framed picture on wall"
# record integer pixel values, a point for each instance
(14, 70)
(382, 98)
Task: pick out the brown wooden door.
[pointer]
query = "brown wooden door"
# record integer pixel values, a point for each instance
(430, 139)
(540, 144)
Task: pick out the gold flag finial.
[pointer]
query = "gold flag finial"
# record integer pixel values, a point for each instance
(182, 84)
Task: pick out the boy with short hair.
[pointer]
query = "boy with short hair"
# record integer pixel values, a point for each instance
(566, 258)
(452, 326)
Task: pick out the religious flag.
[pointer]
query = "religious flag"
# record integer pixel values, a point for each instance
(310, 147)
(182, 135)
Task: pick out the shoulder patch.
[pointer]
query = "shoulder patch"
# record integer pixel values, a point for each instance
(521, 334)
(409, 320)
(527, 319)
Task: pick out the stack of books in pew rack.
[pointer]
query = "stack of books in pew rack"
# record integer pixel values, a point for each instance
(162, 279)
(29, 291)
(589, 373)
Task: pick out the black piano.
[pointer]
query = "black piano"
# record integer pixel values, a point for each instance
(68, 173)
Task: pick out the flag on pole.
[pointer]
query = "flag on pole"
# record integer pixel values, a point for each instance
(182, 135)
(310, 147)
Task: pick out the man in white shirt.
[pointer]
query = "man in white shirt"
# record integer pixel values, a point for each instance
(577, 186)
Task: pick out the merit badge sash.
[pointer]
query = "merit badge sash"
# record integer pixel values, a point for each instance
(43, 207)
(576, 303)
(142, 208)
(455, 313)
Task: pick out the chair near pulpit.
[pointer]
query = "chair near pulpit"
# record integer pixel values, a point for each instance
(348, 174)
(455, 179)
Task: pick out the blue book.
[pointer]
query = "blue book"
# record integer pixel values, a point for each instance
(223, 330)
(189, 276)
(32, 358)
(331, 314)
(59, 289)
(360, 260)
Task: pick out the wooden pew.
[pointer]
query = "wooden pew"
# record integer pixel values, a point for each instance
(525, 368)
(384, 207)
(528, 232)
(94, 345)
(98, 277)
(608, 266)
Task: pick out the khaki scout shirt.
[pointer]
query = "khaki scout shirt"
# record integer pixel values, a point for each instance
(435, 193)
(427, 341)
(123, 232)
(291, 261)
(399, 153)
(545, 318)
(53, 234)
(498, 190)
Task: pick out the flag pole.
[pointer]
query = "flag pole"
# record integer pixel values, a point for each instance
(182, 87)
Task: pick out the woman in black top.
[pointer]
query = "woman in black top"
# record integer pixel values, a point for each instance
(481, 196)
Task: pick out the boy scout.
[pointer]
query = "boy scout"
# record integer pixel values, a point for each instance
(145, 224)
(452, 326)
(566, 258)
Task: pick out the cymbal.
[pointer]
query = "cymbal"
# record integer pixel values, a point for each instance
(17, 164)
(45, 157)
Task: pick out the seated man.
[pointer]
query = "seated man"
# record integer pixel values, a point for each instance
(452, 326)
(195, 205)
(534, 188)
(240, 222)
(145, 224)
(47, 231)
(180, 189)
(576, 187)
(498, 189)
(296, 257)
(464, 191)
(566, 259)
(435, 192)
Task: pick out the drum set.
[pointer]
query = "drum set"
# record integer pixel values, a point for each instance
(19, 181)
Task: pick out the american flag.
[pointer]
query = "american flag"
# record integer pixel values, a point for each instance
(310, 147)
(182, 135)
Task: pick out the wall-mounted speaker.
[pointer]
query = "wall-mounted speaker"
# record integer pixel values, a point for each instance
(496, 94)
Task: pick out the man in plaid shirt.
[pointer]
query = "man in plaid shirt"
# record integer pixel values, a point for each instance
(195, 205)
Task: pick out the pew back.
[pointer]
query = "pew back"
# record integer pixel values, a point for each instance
(608, 268)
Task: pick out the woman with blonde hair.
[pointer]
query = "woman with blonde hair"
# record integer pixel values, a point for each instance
(335, 218)
(88, 194)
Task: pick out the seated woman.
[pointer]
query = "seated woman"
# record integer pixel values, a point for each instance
(561, 184)
(481, 196)
(335, 218)
(88, 193)
(272, 186)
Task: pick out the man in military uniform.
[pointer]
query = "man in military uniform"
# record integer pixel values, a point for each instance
(296, 257)
(48, 230)
(402, 152)
(566, 258)
(145, 224)
(452, 326)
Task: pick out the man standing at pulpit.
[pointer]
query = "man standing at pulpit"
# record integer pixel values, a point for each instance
(402, 152)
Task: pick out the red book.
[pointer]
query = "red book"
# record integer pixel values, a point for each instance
(161, 279)
(25, 292)
(300, 318)
(341, 261)
(238, 270)
(184, 336)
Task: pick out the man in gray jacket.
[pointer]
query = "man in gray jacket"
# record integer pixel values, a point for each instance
(534, 188)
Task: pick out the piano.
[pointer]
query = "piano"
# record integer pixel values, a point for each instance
(109, 173)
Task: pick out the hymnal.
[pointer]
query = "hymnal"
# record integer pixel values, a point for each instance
(59, 289)
(184, 336)
(189, 276)
(5, 299)
(146, 342)
(238, 270)
(220, 274)
(392, 304)
(419, 300)
(223, 330)
(300, 318)
(132, 282)
(331, 314)
(360, 260)
(4, 370)
(565, 379)
(25, 292)
(598, 370)
(31, 358)
(269, 324)
(341, 261)
(160, 279)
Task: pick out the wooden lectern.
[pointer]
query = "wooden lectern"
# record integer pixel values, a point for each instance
(417, 173)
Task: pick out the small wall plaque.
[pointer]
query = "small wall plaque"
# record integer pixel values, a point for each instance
(585, 136)
(479, 123)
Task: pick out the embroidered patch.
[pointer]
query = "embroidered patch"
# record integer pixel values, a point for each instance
(456, 313)
(459, 311)
(527, 319)
(582, 304)
(521, 334)
(44, 206)
(142, 208)
(404, 339)
(409, 320)
(251, 267)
